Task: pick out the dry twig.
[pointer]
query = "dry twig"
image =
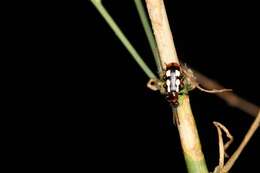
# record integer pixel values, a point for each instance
(246, 139)
(222, 147)
(231, 98)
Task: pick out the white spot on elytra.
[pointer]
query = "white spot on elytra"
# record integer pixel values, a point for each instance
(168, 73)
(168, 83)
(177, 84)
(177, 73)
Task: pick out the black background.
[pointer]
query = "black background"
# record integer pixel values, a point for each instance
(100, 94)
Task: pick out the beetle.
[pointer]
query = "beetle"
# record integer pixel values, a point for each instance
(173, 82)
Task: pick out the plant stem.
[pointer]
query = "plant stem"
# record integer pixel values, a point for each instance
(162, 32)
(149, 33)
(122, 38)
(190, 139)
(231, 98)
(246, 139)
(187, 127)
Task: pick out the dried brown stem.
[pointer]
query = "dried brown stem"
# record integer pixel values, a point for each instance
(222, 147)
(231, 98)
(213, 90)
(246, 139)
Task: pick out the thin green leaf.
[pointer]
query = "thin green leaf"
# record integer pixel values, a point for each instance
(101, 9)
(149, 34)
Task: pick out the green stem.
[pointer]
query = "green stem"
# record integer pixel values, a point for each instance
(149, 33)
(122, 38)
(189, 136)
